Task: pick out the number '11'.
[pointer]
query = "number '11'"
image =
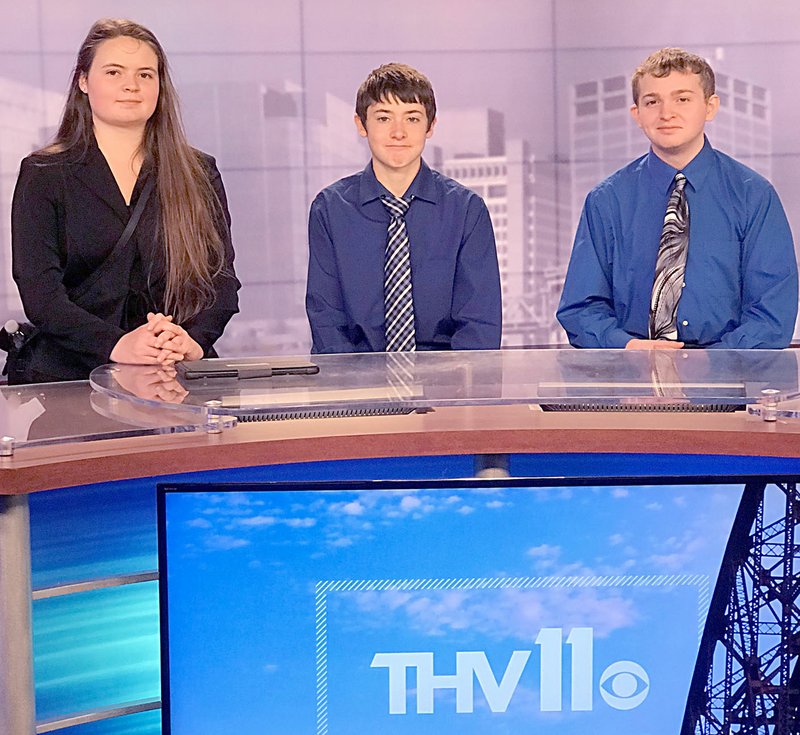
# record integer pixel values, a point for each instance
(550, 642)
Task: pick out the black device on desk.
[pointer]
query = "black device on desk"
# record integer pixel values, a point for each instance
(244, 368)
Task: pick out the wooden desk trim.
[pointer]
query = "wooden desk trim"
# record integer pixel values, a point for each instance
(466, 430)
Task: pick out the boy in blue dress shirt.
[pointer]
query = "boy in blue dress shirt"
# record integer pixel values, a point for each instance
(684, 246)
(401, 257)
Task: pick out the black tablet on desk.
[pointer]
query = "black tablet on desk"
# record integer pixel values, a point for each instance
(244, 368)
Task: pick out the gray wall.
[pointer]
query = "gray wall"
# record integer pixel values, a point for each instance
(532, 94)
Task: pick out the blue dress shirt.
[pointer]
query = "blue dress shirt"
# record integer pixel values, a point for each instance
(741, 274)
(455, 279)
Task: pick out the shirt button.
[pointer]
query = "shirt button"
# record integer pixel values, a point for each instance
(685, 323)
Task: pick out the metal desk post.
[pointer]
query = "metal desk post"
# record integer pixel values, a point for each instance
(17, 700)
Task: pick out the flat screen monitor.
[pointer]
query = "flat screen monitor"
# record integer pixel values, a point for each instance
(411, 608)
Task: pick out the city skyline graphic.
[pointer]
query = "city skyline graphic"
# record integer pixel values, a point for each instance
(531, 125)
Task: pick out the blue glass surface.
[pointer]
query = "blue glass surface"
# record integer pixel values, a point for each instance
(143, 723)
(647, 465)
(96, 649)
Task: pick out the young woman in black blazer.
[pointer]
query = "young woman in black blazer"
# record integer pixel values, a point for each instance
(94, 292)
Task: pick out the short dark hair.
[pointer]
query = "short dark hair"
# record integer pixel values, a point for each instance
(662, 63)
(398, 81)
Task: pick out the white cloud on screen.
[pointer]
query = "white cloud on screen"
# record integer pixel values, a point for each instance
(255, 521)
(348, 520)
(219, 542)
(300, 522)
(679, 552)
(199, 523)
(700, 537)
(409, 503)
(546, 551)
(353, 509)
(548, 560)
(497, 613)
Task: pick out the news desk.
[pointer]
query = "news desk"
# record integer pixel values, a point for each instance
(530, 413)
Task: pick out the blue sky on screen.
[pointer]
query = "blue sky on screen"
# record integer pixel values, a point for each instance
(267, 589)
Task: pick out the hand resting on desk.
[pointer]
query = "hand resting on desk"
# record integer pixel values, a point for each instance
(158, 342)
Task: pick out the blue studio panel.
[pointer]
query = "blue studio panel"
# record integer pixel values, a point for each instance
(101, 648)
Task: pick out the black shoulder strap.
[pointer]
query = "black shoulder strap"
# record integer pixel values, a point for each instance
(81, 290)
(136, 215)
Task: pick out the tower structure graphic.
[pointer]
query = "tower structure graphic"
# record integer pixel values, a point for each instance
(747, 677)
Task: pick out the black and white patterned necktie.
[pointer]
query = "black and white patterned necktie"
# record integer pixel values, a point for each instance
(400, 367)
(397, 297)
(670, 264)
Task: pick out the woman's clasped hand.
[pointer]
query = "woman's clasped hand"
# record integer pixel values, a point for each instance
(158, 341)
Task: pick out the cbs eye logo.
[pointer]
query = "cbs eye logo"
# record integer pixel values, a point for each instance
(624, 685)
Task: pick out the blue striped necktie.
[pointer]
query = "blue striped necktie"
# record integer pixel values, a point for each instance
(397, 297)
(670, 264)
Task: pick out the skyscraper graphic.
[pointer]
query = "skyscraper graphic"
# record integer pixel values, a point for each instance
(603, 136)
(503, 172)
(504, 183)
(743, 125)
(274, 160)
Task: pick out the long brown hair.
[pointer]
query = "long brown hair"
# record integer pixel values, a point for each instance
(189, 207)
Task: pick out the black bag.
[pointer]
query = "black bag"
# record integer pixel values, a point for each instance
(14, 336)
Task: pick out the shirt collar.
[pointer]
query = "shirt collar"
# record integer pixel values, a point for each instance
(695, 171)
(422, 187)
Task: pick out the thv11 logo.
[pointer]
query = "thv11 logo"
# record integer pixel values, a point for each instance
(623, 685)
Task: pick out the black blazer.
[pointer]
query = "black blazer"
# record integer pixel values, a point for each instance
(67, 215)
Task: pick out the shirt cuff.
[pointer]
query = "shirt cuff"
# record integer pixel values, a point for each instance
(616, 339)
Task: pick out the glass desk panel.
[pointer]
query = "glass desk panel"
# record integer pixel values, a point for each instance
(59, 413)
(560, 378)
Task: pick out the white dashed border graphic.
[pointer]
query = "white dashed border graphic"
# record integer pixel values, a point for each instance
(701, 582)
